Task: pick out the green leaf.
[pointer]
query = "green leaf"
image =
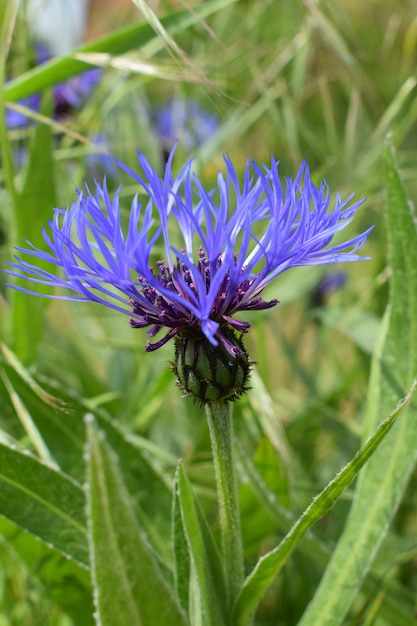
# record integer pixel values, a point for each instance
(362, 327)
(394, 366)
(129, 585)
(282, 519)
(182, 569)
(63, 433)
(67, 582)
(27, 422)
(269, 565)
(7, 24)
(208, 583)
(32, 208)
(22, 372)
(44, 502)
(123, 40)
(318, 549)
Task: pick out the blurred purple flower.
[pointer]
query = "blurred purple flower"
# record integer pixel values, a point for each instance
(326, 286)
(68, 95)
(73, 93)
(186, 122)
(16, 119)
(101, 160)
(221, 247)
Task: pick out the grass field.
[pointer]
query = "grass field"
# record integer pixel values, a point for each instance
(333, 83)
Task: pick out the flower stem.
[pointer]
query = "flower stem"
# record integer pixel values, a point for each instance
(220, 422)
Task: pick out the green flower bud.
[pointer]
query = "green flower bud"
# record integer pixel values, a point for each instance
(210, 373)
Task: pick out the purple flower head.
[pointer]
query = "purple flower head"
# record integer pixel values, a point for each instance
(187, 258)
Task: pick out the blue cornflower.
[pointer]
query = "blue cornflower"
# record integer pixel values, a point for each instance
(231, 248)
(189, 259)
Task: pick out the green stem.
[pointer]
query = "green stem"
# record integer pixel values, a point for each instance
(6, 32)
(220, 422)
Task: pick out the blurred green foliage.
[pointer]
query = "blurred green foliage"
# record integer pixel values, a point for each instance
(321, 81)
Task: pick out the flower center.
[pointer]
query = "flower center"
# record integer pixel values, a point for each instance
(176, 298)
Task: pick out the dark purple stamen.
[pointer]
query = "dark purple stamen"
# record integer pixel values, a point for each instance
(165, 312)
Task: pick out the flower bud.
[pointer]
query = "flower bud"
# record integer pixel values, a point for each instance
(211, 373)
